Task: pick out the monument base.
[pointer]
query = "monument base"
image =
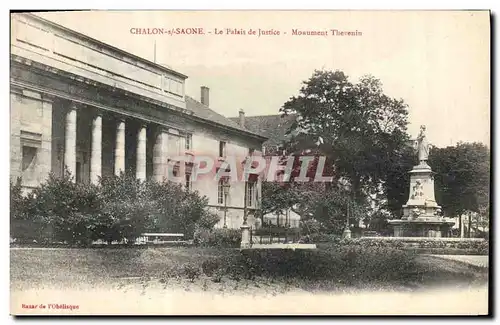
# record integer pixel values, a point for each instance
(422, 227)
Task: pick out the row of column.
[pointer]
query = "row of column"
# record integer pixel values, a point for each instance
(159, 151)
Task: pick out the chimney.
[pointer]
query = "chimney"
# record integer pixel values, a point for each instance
(205, 95)
(242, 118)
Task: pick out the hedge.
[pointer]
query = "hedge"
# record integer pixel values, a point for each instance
(221, 237)
(343, 264)
(441, 246)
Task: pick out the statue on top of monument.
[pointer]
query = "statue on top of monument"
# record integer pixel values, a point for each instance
(423, 146)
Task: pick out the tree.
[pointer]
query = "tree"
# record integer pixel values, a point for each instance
(355, 125)
(462, 179)
(397, 184)
(337, 208)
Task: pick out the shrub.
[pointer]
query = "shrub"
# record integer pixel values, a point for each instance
(192, 272)
(442, 246)
(310, 227)
(179, 210)
(324, 238)
(16, 201)
(223, 238)
(60, 210)
(119, 207)
(345, 263)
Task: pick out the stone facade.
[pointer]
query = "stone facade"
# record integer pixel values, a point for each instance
(80, 104)
(275, 128)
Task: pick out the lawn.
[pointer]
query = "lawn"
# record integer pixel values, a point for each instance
(226, 270)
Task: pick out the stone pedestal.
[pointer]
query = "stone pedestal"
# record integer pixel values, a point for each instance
(245, 237)
(421, 214)
(422, 201)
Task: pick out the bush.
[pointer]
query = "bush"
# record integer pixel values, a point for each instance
(222, 238)
(346, 264)
(59, 210)
(324, 238)
(477, 247)
(119, 207)
(178, 210)
(310, 227)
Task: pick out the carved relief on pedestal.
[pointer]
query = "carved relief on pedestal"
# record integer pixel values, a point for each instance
(417, 190)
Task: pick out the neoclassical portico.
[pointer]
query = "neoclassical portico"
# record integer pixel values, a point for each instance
(135, 145)
(95, 110)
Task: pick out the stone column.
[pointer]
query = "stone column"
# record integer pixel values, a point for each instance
(160, 155)
(141, 153)
(96, 150)
(70, 141)
(120, 148)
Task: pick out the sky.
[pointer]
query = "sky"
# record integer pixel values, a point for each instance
(438, 62)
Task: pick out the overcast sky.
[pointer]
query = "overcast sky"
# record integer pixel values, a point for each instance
(438, 62)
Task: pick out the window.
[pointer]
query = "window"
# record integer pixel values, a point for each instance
(220, 192)
(29, 155)
(251, 190)
(188, 182)
(173, 86)
(78, 172)
(174, 145)
(31, 166)
(189, 139)
(222, 149)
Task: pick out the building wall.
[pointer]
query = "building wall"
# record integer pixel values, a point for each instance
(99, 79)
(56, 46)
(31, 136)
(207, 143)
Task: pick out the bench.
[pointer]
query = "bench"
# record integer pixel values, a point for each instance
(159, 238)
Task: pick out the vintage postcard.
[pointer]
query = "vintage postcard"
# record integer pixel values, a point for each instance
(250, 163)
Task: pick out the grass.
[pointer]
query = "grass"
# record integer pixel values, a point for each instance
(227, 270)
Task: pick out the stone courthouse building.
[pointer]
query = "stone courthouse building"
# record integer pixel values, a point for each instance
(97, 110)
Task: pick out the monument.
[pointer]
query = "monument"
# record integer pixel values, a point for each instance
(421, 214)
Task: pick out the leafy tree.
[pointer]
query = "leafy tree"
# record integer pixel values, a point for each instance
(462, 178)
(355, 125)
(361, 132)
(397, 184)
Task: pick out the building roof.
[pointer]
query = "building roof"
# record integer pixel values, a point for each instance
(101, 44)
(198, 109)
(274, 127)
(204, 112)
